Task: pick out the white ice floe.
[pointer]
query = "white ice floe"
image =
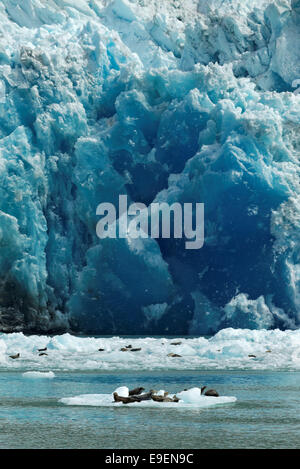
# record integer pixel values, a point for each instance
(39, 374)
(188, 399)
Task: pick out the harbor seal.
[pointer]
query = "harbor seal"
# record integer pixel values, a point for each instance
(130, 399)
(164, 398)
(125, 400)
(136, 391)
(129, 348)
(210, 392)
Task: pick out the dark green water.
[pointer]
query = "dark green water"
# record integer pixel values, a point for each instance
(266, 415)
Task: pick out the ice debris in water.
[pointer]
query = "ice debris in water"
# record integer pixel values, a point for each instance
(39, 374)
(182, 101)
(228, 349)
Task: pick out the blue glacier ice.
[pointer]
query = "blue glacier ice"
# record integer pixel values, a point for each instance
(170, 101)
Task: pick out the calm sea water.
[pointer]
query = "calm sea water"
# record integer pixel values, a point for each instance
(265, 416)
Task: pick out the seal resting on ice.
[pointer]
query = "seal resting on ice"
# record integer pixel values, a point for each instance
(164, 398)
(210, 392)
(137, 398)
(136, 391)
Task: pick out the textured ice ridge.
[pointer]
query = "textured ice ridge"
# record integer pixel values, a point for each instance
(163, 101)
(233, 349)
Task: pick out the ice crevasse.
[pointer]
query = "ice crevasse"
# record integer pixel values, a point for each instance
(164, 101)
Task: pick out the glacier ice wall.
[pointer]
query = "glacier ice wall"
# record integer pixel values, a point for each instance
(170, 101)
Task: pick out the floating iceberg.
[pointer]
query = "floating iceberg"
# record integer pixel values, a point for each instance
(163, 102)
(39, 374)
(193, 397)
(195, 400)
